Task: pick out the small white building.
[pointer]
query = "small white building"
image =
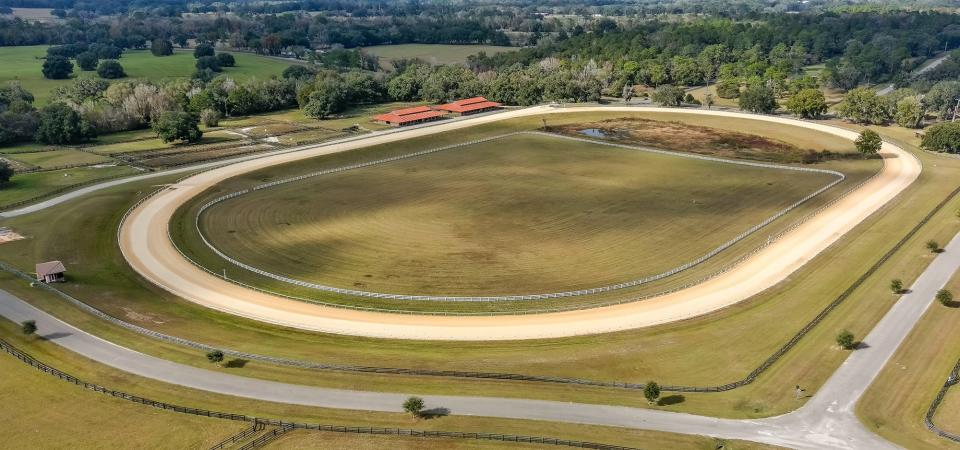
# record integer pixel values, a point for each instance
(51, 272)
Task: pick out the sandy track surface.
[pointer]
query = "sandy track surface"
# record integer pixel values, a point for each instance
(145, 244)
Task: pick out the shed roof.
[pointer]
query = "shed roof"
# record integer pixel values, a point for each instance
(410, 117)
(469, 104)
(50, 268)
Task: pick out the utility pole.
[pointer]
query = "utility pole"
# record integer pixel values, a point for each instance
(224, 273)
(955, 111)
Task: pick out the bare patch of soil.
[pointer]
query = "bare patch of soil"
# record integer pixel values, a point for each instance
(683, 137)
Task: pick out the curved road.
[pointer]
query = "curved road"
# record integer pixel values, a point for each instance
(826, 421)
(143, 240)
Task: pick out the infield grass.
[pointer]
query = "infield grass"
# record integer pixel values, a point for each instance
(714, 349)
(516, 215)
(540, 196)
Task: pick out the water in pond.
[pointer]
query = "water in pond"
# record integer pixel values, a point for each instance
(594, 132)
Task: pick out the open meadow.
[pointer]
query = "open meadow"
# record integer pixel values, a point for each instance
(432, 53)
(24, 63)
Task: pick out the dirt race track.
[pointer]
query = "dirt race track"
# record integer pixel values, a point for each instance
(145, 244)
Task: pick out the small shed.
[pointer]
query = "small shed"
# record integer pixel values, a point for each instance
(50, 272)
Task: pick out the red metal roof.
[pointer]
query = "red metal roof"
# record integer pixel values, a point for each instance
(473, 105)
(392, 117)
(470, 101)
(410, 110)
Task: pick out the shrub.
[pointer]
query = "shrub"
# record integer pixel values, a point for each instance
(87, 61)
(110, 69)
(177, 126)
(414, 406)
(208, 62)
(863, 105)
(933, 246)
(202, 50)
(225, 60)
(210, 117)
(28, 327)
(298, 72)
(161, 47)
(60, 124)
(944, 297)
(728, 87)
(215, 356)
(942, 137)
(651, 391)
(758, 99)
(869, 142)
(57, 68)
(896, 285)
(6, 173)
(845, 340)
(807, 103)
(668, 95)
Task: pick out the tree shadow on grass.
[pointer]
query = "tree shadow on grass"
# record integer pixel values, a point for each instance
(671, 400)
(434, 413)
(236, 363)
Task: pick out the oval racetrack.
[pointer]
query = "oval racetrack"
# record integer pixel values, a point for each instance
(145, 244)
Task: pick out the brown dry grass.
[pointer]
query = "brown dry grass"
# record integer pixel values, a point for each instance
(685, 137)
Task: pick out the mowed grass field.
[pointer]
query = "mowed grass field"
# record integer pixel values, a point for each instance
(26, 186)
(43, 412)
(714, 349)
(25, 63)
(46, 412)
(432, 53)
(516, 215)
(895, 404)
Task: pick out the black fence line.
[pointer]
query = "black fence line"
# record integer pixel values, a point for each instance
(282, 424)
(266, 438)
(243, 434)
(952, 379)
(748, 379)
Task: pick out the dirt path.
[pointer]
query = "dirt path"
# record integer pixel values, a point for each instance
(145, 244)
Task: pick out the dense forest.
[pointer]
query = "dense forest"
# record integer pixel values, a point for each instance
(761, 61)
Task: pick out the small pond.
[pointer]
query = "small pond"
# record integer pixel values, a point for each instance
(594, 132)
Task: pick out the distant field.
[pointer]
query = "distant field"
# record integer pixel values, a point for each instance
(60, 158)
(35, 14)
(29, 185)
(24, 64)
(433, 53)
(518, 215)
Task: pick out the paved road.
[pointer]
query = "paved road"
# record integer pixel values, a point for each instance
(157, 260)
(924, 69)
(826, 421)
